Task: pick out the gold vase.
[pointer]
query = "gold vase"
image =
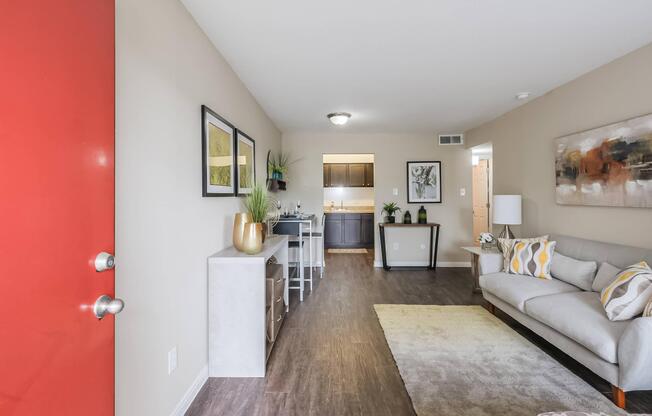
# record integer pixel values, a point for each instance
(241, 218)
(252, 241)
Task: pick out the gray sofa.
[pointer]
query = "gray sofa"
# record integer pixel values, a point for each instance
(573, 319)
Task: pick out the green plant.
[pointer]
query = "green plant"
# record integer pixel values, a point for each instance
(390, 208)
(258, 203)
(279, 163)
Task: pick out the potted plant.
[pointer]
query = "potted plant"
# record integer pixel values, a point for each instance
(390, 208)
(258, 205)
(278, 165)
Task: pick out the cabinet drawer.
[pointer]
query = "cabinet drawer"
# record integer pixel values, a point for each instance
(275, 315)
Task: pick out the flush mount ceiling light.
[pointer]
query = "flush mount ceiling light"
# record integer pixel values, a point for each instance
(522, 95)
(339, 118)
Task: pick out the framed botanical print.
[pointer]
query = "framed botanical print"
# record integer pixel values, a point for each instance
(424, 182)
(218, 153)
(246, 165)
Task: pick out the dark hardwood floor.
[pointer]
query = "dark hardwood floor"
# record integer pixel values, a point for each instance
(332, 359)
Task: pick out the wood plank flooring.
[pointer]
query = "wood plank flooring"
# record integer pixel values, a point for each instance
(332, 359)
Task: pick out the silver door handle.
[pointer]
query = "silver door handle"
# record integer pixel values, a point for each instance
(104, 261)
(104, 304)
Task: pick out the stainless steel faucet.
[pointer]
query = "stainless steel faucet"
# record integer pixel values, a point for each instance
(341, 204)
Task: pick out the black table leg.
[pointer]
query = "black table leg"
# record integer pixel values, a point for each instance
(382, 247)
(436, 248)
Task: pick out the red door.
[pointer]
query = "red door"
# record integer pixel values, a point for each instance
(56, 206)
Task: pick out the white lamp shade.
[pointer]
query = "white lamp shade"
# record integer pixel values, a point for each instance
(507, 209)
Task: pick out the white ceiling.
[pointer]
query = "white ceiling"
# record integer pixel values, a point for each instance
(427, 66)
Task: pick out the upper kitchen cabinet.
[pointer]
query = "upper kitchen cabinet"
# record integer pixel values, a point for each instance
(356, 175)
(369, 174)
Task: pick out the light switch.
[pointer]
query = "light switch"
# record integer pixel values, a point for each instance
(395, 246)
(462, 191)
(172, 360)
(395, 191)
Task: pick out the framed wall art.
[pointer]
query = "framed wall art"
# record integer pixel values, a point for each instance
(606, 166)
(218, 155)
(424, 182)
(246, 165)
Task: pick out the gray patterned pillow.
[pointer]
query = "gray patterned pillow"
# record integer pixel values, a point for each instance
(505, 246)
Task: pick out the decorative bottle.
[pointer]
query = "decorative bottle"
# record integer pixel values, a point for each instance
(423, 215)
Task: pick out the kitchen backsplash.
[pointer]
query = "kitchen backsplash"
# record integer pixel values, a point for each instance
(350, 196)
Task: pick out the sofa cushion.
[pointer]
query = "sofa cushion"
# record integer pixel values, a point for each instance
(576, 272)
(505, 246)
(516, 289)
(628, 294)
(580, 317)
(532, 259)
(606, 274)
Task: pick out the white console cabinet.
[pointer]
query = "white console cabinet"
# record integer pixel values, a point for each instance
(238, 344)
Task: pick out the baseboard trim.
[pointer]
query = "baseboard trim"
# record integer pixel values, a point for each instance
(378, 263)
(191, 393)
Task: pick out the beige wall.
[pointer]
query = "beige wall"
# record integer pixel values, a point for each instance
(391, 152)
(166, 69)
(523, 149)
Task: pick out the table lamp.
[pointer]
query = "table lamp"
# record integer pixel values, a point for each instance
(507, 211)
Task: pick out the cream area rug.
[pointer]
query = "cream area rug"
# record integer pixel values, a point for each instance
(348, 250)
(463, 361)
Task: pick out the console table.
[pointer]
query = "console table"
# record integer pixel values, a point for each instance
(238, 344)
(434, 231)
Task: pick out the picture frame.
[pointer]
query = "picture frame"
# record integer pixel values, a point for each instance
(246, 163)
(608, 166)
(218, 138)
(424, 184)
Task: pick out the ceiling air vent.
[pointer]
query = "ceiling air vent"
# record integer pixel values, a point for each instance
(451, 139)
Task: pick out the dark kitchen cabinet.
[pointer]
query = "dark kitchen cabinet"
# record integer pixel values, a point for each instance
(338, 175)
(352, 229)
(369, 175)
(349, 230)
(356, 175)
(367, 230)
(327, 175)
(333, 230)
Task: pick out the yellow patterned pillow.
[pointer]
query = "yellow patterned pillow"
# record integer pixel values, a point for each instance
(628, 294)
(505, 246)
(532, 259)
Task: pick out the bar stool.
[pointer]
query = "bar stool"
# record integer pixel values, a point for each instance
(295, 246)
(317, 235)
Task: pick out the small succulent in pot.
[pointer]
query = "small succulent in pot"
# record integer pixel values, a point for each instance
(390, 208)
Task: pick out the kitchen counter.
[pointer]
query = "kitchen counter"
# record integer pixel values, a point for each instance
(349, 210)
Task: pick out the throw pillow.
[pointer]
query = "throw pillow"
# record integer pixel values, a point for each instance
(628, 294)
(648, 309)
(532, 259)
(505, 246)
(576, 272)
(606, 274)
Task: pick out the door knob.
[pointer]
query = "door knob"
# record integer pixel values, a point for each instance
(104, 261)
(104, 304)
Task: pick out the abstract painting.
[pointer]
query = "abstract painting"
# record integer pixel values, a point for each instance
(218, 151)
(606, 166)
(246, 163)
(424, 182)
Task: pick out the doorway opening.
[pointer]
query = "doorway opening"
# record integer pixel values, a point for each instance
(482, 157)
(349, 206)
